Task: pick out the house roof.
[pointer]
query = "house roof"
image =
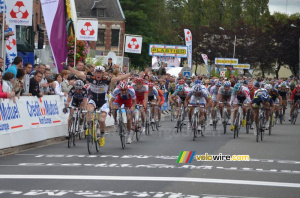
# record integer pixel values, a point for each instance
(88, 9)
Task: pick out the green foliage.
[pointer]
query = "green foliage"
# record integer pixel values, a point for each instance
(95, 61)
(227, 73)
(236, 73)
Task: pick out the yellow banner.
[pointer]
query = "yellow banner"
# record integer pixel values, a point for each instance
(226, 62)
(168, 50)
(243, 66)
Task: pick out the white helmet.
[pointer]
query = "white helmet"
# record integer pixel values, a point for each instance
(99, 68)
(268, 86)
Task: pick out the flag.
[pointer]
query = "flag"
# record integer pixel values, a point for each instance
(188, 42)
(11, 47)
(205, 58)
(54, 17)
(2, 6)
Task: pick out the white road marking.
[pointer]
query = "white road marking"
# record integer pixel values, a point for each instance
(147, 157)
(144, 178)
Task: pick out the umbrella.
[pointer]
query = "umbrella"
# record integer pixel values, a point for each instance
(174, 71)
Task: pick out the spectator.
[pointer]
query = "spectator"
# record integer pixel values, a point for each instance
(44, 83)
(57, 82)
(90, 69)
(16, 64)
(34, 88)
(35, 68)
(162, 69)
(109, 65)
(51, 90)
(18, 83)
(5, 94)
(66, 85)
(8, 80)
(48, 67)
(125, 69)
(1, 64)
(27, 70)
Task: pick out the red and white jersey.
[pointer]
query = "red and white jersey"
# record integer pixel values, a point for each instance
(140, 92)
(130, 94)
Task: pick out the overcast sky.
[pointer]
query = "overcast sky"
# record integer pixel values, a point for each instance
(291, 6)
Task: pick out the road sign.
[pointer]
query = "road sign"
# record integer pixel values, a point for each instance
(187, 74)
(168, 50)
(242, 66)
(226, 61)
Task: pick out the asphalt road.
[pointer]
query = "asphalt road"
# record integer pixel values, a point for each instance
(148, 168)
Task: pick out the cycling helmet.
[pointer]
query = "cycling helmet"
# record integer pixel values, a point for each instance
(150, 84)
(212, 82)
(139, 80)
(197, 82)
(181, 82)
(268, 87)
(283, 84)
(99, 69)
(262, 84)
(237, 87)
(245, 82)
(197, 88)
(78, 84)
(256, 84)
(250, 86)
(218, 84)
(181, 88)
(123, 84)
(297, 87)
(227, 84)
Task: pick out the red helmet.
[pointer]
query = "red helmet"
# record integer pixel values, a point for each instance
(297, 87)
(123, 84)
(181, 82)
(139, 80)
(150, 84)
(250, 86)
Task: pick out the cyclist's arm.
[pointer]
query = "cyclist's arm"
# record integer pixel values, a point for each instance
(121, 77)
(68, 101)
(79, 74)
(187, 101)
(219, 97)
(280, 100)
(145, 100)
(133, 104)
(171, 99)
(84, 103)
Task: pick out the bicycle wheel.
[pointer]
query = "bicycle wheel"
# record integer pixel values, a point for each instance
(122, 134)
(215, 120)
(270, 125)
(195, 129)
(295, 116)
(137, 131)
(281, 116)
(172, 113)
(76, 128)
(248, 121)
(239, 125)
(70, 139)
(152, 126)
(225, 121)
(89, 138)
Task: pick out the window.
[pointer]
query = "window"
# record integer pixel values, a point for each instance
(100, 13)
(100, 40)
(115, 38)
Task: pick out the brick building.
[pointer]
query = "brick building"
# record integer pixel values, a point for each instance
(111, 24)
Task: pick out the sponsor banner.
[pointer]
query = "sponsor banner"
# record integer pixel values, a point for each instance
(188, 42)
(133, 44)
(11, 47)
(87, 30)
(172, 62)
(205, 58)
(168, 50)
(55, 21)
(226, 61)
(242, 66)
(19, 12)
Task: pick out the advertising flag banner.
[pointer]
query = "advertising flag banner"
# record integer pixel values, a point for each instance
(19, 12)
(133, 44)
(55, 20)
(11, 47)
(205, 58)
(188, 42)
(87, 30)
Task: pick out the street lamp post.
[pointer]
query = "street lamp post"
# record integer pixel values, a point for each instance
(292, 25)
(220, 28)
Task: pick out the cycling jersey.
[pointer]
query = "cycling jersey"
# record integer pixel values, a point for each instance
(241, 96)
(274, 94)
(201, 98)
(140, 92)
(98, 90)
(295, 95)
(153, 94)
(77, 97)
(261, 95)
(124, 99)
(223, 92)
(283, 91)
(214, 93)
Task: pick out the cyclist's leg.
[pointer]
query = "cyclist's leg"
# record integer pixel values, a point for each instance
(70, 117)
(292, 109)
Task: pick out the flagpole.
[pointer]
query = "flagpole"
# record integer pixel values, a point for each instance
(3, 45)
(75, 50)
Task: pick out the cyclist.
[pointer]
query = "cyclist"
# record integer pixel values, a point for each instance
(160, 105)
(77, 97)
(179, 96)
(239, 95)
(153, 97)
(294, 98)
(261, 96)
(197, 96)
(214, 94)
(123, 94)
(276, 98)
(224, 95)
(98, 98)
(141, 92)
(283, 91)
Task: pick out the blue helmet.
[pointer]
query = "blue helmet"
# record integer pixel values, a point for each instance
(180, 88)
(197, 88)
(227, 84)
(256, 84)
(218, 84)
(197, 82)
